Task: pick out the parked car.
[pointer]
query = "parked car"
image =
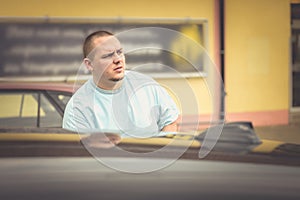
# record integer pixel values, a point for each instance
(59, 165)
(25, 104)
(40, 160)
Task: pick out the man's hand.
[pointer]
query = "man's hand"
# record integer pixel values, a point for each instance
(171, 127)
(101, 140)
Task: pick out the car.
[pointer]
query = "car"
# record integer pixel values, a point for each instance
(40, 160)
(33, 104)
(61, 165)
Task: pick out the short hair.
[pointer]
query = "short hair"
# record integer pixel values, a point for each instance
(88, 42)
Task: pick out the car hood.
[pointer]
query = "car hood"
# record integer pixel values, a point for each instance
(237, 142)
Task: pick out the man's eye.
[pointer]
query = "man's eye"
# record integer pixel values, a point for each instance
(120, 52)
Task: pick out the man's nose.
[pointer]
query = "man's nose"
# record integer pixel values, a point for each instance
(117, 57)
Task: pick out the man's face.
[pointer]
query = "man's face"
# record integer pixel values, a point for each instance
(108, 61)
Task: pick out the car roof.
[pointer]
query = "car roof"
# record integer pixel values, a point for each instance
(52, 86)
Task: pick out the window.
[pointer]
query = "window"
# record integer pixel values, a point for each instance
(60, 98)
(158, 47)
(28, 109)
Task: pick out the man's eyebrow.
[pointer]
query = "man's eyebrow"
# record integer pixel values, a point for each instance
(108, 54)
(111, 50)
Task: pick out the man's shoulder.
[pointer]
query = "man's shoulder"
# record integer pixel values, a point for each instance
(84, 88)
(136, 75)
(136, 80)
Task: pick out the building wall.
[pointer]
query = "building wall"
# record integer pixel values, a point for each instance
(257, 60)
(135, 9)
(256, 48)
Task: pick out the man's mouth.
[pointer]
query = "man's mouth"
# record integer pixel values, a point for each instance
(120, 68)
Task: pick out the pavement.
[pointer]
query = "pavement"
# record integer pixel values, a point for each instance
(286, 133)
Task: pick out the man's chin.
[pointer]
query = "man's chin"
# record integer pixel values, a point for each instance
(117, 79)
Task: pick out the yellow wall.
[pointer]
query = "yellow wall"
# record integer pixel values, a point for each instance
(132, 8)
(257, 55)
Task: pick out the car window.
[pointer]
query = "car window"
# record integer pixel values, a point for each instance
(60, 98)
(49, 115)
(21, 109)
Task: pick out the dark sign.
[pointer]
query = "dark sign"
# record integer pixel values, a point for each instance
(55, 49)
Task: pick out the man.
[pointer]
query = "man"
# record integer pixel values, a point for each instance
(118, 101)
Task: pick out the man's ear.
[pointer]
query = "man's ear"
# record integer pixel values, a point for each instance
(88, 64)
